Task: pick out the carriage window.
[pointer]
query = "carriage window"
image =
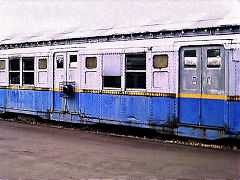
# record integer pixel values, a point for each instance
(14, 71)
(60, 61)
(14, 77)
(160, 61)
(73, 61)
(42, 63)
(28, 78)
(190, 59)
(213, 58)
(136, 80)
(91, 62)
(28, 70)
(111, 71)
(112, 81)
(136, 71)
(136, 61)
(2, 64)
(28, 63)
(14, 64)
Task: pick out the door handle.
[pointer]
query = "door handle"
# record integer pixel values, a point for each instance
(194, 80)
(208, 80)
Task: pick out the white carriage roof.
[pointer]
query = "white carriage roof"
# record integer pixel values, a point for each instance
(224, 18)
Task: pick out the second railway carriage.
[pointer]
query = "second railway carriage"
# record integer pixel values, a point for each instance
(183, 81)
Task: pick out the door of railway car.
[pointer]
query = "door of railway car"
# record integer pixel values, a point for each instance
(202, 85)
(66, 80)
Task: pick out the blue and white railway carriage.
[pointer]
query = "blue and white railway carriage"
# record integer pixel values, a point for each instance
(183, 85)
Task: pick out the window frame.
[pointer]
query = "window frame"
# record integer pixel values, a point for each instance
(209, 66)
(38, 71)
(41, 58)
(63, 63)
(154, 71)
(160, 55)
(89, 69)
(28, 71)
(21, 71)
(116, 74)
(111, 88)
(75, 67)
(187, 66)
(5, 64)
(135, 71)
(96, 83)
(14, 71)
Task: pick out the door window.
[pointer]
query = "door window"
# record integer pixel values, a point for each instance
(213, 58)
(73, 61)
(190, 59)
(60, 61)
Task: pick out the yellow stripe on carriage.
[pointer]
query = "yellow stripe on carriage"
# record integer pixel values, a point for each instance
(203, 96)
(132, 93)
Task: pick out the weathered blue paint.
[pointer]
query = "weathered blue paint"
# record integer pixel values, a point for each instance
(212, 112)
(33, 102)
(200, 132)
(3, 98)
(204, 112)
(189, 110)
(234, 117)
(140, 111)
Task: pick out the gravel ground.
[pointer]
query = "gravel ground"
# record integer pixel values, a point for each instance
(42, 152)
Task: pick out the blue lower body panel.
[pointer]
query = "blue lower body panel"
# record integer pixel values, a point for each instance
(189, 112)
(26, 101)
(218, 118)
(128, 110)
(203, 112)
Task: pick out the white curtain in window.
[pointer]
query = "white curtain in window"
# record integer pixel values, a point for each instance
(112, 65)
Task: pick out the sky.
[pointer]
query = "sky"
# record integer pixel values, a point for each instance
(33, 16)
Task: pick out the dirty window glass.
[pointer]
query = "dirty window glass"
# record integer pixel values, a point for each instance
(60, 61)
(14, 77)
(136, 71)
(14, 64)
(136, 61)
(28, 63)
(28, 70)
(190, 59)
(213, 58)
(2, 64)
(73, 61)
(91, 62)
(42, 63)
(28, 78)
(160, 61)
(14, 68)
(136, 80)
(112, 81)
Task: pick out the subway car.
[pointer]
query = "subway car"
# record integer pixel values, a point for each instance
(182, 81)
